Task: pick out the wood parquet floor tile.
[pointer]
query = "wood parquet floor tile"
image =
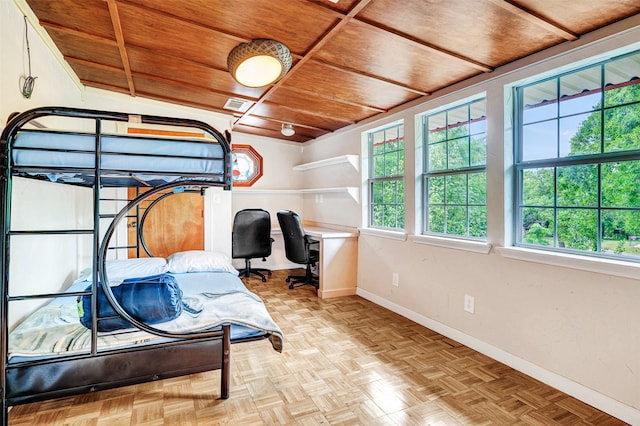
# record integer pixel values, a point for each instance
(346, 361)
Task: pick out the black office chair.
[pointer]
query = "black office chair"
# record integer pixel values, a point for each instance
(251, 238)
(299, 248)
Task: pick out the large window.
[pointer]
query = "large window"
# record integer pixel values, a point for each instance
(454, 178)
(578, 161)
(386, 177)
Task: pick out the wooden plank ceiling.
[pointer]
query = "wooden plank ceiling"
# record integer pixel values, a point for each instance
(352, 59)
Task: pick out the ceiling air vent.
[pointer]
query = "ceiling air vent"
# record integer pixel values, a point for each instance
(236, 104)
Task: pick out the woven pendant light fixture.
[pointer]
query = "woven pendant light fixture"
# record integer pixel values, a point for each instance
(260, 62)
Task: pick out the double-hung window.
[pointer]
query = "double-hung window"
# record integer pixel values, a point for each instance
(454, 177)
(386, 177)
(577, 161)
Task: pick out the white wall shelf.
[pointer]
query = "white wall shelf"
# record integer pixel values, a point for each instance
(351, 159)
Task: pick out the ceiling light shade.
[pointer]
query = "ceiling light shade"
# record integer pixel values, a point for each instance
(259, 62)
(287, 129)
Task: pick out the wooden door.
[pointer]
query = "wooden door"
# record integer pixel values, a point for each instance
(175, 223)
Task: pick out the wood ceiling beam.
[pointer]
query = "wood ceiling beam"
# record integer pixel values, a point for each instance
(535, 19)
(275, 120)
(117, 28)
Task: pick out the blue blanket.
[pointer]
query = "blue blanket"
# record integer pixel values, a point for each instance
(151, 300)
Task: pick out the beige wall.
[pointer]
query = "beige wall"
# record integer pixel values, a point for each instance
(566, 325)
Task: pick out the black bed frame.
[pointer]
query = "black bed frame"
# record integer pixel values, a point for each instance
(186, 353)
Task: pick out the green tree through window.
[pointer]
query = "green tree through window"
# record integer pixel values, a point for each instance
(454, 179)
(386, 177)
(582, 191)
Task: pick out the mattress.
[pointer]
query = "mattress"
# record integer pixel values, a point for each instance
(210, 299)
(69, 156)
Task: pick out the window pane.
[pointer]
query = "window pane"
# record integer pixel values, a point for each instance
(391, 136)
(437, 128)
(463, 146)
(437, 157)
(580, 134)
(436, 190)
(539, 141)
(400, 189)
(580, 91)
(456, 189)
(389, 192)
(378, 166)
(622, 128)
(456, 220)
(458, 153)
(478, 111)
(458, 122)
(621, 184)
(478, 150)
(377, 219)
(436, 219)
(621, 232)
(377, 143)
(578, 186)
(537, 226)
(595, 202)
(478, 188)
(578, 229)
(540, 102)
(391, 164)
(538, 187)
(377, 192)
(478, 221)
(621, 81)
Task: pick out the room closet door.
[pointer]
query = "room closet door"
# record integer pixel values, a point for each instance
(175, 223)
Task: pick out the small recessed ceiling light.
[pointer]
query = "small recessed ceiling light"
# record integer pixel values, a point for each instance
(287, 129)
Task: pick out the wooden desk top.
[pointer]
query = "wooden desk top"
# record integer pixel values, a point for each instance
(321, 233)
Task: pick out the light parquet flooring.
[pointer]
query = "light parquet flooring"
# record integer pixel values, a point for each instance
(346, 361)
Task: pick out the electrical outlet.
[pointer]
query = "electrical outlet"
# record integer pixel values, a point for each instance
(395, 280)
(469, 304)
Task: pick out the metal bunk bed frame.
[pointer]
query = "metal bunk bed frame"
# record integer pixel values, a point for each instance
(190, 352)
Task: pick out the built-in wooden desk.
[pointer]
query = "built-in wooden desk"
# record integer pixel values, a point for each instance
(338, 267)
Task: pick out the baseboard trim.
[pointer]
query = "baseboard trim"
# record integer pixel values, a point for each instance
(602, 402)
(338, 292)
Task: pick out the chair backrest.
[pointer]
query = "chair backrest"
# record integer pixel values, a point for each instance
(251, 234)
(293, 235)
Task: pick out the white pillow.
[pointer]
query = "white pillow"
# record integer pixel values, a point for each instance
(119, 270)
(200, 261)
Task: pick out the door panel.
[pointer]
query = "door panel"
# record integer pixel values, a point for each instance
(175, 223)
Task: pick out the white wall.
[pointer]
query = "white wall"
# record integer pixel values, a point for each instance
(567, 326)
(274, 190)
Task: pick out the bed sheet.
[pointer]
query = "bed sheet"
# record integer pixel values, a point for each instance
(118, 153)
(210, 299)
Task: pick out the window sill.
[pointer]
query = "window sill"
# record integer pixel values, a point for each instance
(585, 263)
(453, 243)
(392, 235)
